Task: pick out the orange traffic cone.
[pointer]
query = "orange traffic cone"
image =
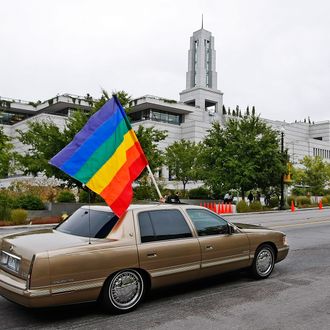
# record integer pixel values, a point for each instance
(200, 204)
(204, 204)
(320, 205)
(219, 208)
(292, 206)
(230, 208)
(222, 208)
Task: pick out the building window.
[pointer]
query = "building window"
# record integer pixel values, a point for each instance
(324, 153)
(156, 115)
(195, 61)
(11, 118)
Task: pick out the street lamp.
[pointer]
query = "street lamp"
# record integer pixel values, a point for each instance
(282, 175)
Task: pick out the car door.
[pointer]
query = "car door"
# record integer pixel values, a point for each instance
(221, 251)
(167, 250)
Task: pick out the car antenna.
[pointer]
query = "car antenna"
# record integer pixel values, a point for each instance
(89, 216)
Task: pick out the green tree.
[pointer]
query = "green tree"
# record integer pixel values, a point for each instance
(181, 157)
(149, 138)
(6, 154)
(316, 173)
(45, 139)
(244, 155)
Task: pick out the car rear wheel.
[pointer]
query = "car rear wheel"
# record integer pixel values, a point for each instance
(263, 263)
(123, 291)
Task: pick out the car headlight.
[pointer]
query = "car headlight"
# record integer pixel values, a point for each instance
(285, 240)
(10, 261)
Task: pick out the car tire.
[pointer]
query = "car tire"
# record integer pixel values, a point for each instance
(263, 262)
(123, 291)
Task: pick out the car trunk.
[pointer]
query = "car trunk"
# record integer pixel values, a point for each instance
(27, 244)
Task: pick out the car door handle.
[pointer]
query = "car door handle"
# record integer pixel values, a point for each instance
(151, 254)
(209, 247)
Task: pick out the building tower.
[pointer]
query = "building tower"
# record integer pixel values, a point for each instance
(201, 79)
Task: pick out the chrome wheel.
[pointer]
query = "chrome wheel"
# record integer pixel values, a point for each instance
(126, 289)
(263, 263)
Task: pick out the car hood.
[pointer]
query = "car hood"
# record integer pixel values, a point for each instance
(27, 244)
(248, 226)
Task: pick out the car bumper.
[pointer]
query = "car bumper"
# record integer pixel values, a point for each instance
(15, 289)
(282, 253)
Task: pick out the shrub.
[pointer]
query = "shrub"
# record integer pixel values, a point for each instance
(29, 202)
(145, 192)
(298, 191)
(328, 198)
(325, 200)
(255, 206)
(199, 193)
(242, 207)
(84, 198)
(65, 196)
(290, 199)
(273, 202)
(5, 205)
(19, 216)
(303, 201)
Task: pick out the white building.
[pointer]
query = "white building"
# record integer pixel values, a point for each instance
(200, 104)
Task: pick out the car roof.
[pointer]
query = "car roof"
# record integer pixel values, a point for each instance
(106, 208)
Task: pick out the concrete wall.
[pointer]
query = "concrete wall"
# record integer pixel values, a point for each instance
(55, 209)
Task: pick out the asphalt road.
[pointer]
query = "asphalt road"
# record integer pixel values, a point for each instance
(296, 296)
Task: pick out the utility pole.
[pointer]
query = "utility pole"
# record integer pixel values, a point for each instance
(282, 175)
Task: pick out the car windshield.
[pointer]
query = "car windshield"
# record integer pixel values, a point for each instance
(89, 223)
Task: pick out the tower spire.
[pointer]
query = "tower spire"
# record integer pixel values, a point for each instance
(202, 21)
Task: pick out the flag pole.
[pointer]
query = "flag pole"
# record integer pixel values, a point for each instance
(154, 182)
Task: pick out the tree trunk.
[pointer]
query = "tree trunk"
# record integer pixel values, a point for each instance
(243, 194)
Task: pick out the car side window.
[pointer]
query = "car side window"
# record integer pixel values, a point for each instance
(162, 225)
(207, 223)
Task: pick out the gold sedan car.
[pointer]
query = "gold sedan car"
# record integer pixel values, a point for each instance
(93, 255)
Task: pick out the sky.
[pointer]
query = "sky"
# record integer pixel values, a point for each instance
(273, 54)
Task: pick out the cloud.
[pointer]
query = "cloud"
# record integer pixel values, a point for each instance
(271, 54)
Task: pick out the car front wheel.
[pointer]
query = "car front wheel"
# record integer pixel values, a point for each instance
(123, 291)
(263, 263)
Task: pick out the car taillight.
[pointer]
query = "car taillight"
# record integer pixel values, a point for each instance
(30, 273)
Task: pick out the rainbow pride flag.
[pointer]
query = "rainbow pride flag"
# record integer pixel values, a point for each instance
(106, 156)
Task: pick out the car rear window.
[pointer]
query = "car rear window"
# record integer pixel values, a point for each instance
(89, 223)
